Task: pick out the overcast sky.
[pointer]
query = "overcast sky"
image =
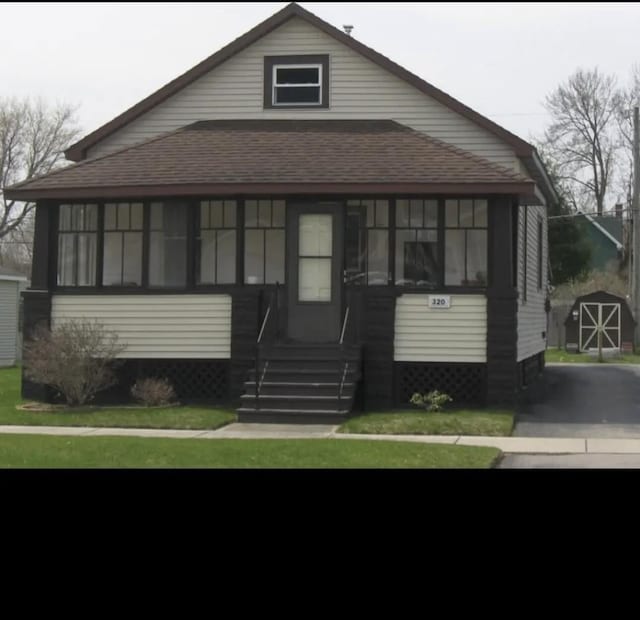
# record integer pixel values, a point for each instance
(501, 59)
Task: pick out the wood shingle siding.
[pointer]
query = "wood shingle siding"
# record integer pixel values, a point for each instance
(458, 334)
(159, 326)
(359, 89)
(532, 318)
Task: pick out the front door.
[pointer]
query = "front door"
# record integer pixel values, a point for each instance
(314, 266)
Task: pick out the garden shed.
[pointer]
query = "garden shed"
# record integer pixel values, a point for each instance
(599, 309)
(11, 285)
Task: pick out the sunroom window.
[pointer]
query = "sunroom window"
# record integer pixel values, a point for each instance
(77, 237)
(122, 263)
(367, 242)
(168, 245)
(417, 243)
(466, 240)
(216, 242)
(264, 241)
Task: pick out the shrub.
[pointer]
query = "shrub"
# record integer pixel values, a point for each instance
(77, 358)
(153, 392)
(433, 401)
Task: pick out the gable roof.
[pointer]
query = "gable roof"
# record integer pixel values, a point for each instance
(78, 151)
(251, 157)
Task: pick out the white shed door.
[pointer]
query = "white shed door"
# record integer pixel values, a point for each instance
(593, 315)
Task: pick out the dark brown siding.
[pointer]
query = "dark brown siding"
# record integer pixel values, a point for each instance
(37, 314)
(502, 308)
(42, 240)
(377, 324)
(245, 318)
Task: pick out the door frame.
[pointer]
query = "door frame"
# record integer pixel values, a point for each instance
(295, 208)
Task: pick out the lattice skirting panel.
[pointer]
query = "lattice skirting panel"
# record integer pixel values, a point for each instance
(465, 383)
(192, 380)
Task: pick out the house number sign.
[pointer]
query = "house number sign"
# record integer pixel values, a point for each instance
(439, 302)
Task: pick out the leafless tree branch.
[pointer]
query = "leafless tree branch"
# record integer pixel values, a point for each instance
(33, 138)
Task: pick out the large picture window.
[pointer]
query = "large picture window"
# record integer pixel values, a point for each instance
(77, 237)
(466, 223)
(168, 245)
(123, 230)
(216, 242)
(264, 235)
(417, 243)
(367, 242)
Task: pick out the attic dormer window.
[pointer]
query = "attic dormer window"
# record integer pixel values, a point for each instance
(296, 82)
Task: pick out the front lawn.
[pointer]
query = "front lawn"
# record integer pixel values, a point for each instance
(467, 422)
(172, 417)
(28, 451)
(554, 355)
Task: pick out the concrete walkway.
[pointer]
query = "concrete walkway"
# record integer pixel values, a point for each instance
(508, 445)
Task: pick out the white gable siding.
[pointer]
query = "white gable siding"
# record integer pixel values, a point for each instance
(532, 318)
(9, 299)
(158, 326)
(360, 89)
(458, 334)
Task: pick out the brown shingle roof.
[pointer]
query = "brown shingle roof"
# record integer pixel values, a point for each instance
(244, 157)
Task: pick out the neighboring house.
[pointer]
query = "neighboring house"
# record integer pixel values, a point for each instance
(606, 236)
(11, 285)
(300, 191)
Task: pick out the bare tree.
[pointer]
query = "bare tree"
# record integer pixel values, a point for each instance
(582, 137)
(628, 99)
(33, 137)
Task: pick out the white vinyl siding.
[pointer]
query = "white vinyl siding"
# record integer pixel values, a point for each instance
(458, 334)
(9, 299)
(156, 326)
(532, 318)
(359, 89)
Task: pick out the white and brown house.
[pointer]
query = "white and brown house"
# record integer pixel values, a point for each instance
(302, 226)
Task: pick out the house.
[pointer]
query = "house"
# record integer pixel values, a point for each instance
(303, 226)
(11, 285)
(607, 236)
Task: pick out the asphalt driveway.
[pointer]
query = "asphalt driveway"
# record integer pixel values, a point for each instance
(584, 400)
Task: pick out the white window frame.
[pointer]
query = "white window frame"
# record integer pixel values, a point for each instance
(275, 86)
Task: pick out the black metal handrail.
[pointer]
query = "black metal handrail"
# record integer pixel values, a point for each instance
(344, 371)
(272, 309)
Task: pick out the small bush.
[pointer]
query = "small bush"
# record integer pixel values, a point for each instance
(154, 392)
(76, 358)
(433, 401)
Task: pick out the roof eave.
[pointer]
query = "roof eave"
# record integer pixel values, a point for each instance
(257, 189)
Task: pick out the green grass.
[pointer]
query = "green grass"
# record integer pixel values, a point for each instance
(171, 417)
(487, 423)
(561, 356)
(28, 451)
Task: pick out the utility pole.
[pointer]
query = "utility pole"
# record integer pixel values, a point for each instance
(635, 210)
